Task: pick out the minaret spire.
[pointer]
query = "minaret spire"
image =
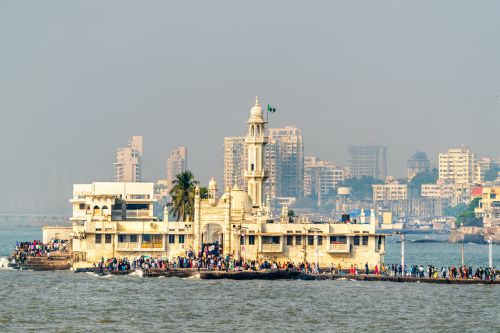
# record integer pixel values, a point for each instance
(256, 139)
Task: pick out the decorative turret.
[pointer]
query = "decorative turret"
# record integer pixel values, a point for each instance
(165, 213)
(284, 214)
(373, 219)
(268, 206)
(212, 192)
(362, 217)
(256, 140)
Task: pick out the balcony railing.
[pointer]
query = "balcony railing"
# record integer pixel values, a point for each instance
(339, 248)
(151, 245)
(127, 246)
(272, 248)
(256, 173)
(137, 213)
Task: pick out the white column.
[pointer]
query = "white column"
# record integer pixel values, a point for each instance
(490, 252)
(402, 251)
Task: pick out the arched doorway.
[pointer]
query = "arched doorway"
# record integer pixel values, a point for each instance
(212, 234)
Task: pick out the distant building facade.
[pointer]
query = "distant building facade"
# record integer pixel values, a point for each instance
(128, 161)
(285, 162)
(235, 160)
(392, 196)
(321, 177)
(458, 166)
(418, 163)
(368, 160)
(177, 162)
(489, 207)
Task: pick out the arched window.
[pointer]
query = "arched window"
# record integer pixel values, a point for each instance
(96, 210)
(252, 131)
(258, 130)
(104, 210)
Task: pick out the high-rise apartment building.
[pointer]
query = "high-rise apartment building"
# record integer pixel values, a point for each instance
(235, 159)
(458, 166)
(176, 163)
(285, 162)
(128, 161)
(418, 163)
(368, 160)
(320, 177)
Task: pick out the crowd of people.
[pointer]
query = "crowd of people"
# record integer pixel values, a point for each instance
(451, 272)
(210, 257)
(37, 248)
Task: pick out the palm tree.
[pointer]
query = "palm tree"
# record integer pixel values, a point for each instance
(182, 194)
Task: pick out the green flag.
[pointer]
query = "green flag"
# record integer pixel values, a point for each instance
(271, 109)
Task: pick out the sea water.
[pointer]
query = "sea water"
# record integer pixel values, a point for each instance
(63, 301)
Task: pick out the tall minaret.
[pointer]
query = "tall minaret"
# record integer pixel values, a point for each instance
(256, 140)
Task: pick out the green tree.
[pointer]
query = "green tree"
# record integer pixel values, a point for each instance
(361, 188)
(182, 194)
(466, 216)
(425, 177)
(203, 192)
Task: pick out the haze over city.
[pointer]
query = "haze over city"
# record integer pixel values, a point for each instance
(77, 82)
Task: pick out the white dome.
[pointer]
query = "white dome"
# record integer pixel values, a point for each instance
(256, 110)
(240, 200)
(212, 183)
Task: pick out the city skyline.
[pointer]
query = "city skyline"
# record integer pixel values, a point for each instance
(71, 93)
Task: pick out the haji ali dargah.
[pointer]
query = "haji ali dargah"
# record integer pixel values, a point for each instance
(115, 219)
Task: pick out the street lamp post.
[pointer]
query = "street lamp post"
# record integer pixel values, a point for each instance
(306, 239)
(490, 248)
(402, 236)
(317, 261)
(463, 260)
(490, 252)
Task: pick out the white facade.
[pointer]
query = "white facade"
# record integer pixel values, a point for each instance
(458, 166)
(256, 140)
(128, 161)
(440, 190)
(321, 177)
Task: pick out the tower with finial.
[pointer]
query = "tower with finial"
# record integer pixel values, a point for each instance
(256, 140)
(212, 192)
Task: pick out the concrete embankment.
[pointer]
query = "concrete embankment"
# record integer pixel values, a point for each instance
(56, 261)
(296, 275)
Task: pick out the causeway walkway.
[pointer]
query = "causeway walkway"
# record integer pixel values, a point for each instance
(290, 275)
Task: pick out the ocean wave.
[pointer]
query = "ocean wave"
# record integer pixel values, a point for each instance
(193, 277)
(138, 273)
(4, 263)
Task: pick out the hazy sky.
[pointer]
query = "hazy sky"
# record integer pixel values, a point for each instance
(79, 78)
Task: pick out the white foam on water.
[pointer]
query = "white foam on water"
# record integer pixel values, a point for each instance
(105, 276)
(137, 272)
(193, 277)
(4, 263)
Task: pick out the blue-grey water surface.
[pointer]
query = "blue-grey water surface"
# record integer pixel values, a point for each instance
(69, 302)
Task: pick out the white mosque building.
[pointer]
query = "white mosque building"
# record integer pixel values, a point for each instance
(116, 220)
